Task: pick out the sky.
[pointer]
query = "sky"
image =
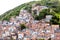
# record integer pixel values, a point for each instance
(6, 5)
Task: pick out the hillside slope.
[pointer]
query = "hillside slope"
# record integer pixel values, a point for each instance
(15, 11)
(53, 6)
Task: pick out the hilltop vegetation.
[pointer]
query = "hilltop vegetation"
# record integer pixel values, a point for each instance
(53, 9)
(15, 11)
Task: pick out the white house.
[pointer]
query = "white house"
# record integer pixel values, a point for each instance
(48, 18)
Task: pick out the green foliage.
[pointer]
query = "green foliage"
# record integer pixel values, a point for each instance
(42, 14)
(41, 39)
(13, 12)
(56, 18)
(51, 4)
(36, 17)
(22, 26)
(28, 8)
(54, 5)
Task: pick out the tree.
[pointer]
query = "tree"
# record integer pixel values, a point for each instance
(28, 8)
(56, 19)
(54, 5)
(41, 39)
(42, 14)
(22, 26)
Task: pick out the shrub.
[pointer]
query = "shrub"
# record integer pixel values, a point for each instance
(22, 26)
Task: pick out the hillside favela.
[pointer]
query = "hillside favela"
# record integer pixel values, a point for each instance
(35, 20)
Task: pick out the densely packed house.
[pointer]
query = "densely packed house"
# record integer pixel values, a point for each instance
(35, 30)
